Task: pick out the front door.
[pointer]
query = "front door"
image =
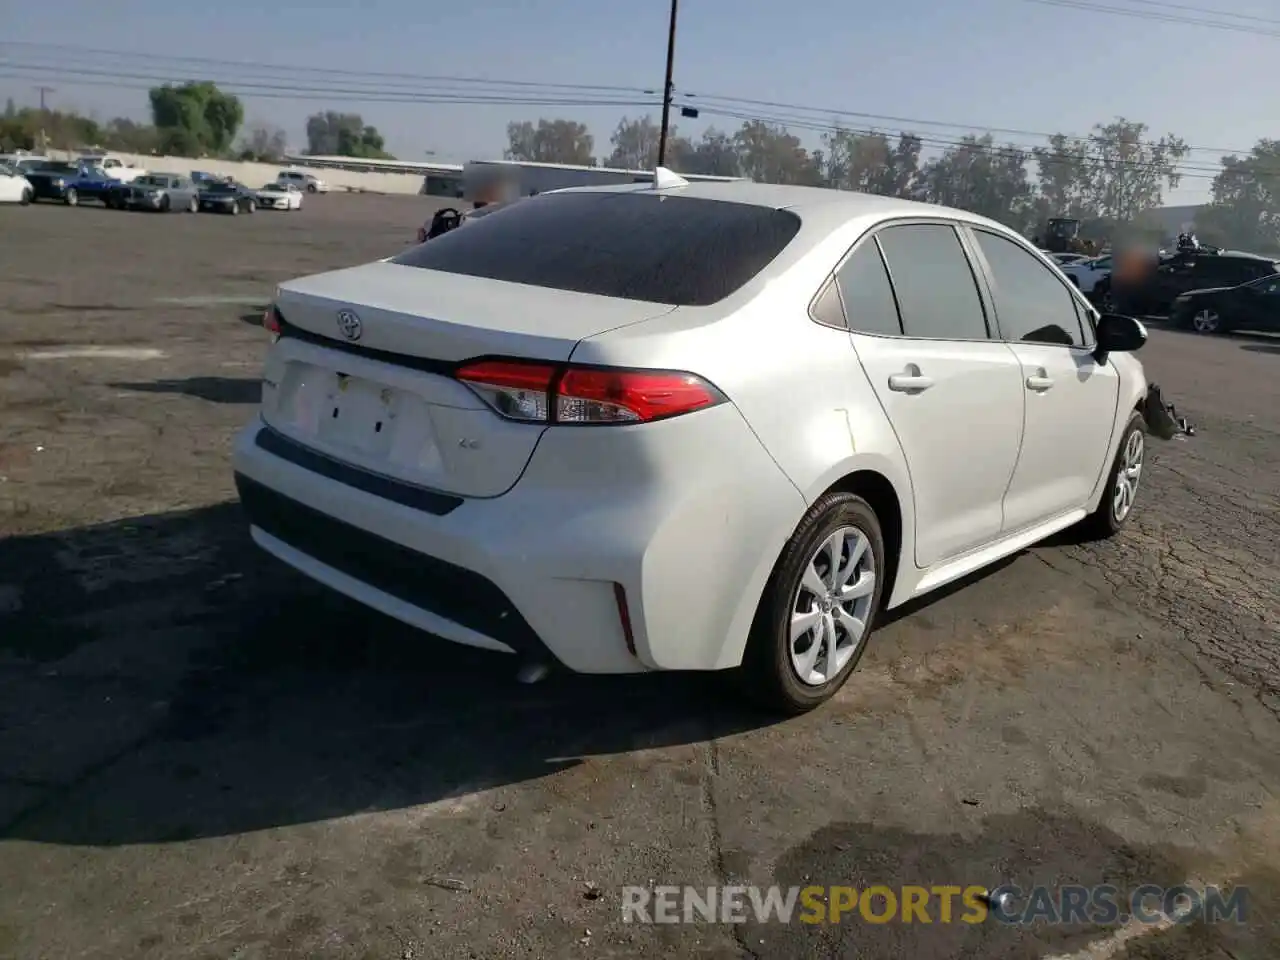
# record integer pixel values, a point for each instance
(1070, 398)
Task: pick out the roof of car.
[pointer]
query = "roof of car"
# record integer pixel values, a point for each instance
(821, 206)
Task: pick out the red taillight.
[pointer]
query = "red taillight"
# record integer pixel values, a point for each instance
(546, 393)
(271, 320)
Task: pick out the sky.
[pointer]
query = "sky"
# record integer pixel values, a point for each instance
(1022, 65)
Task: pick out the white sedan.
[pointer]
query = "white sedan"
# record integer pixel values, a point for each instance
(688, 426)
(279, 196)
(14, 187)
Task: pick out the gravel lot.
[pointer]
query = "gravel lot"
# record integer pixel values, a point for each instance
(202, 756)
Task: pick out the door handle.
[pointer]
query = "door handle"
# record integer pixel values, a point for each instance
(1040, 383)
(909, 382)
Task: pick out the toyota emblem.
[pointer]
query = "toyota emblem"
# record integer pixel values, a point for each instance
(350, 325)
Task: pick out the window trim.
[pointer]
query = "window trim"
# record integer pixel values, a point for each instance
(872, 234)
(1073, 293)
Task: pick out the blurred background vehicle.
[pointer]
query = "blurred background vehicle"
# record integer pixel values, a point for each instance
(226, 197)
(279, 196)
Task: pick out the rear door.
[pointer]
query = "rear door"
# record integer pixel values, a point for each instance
(1070, 399)
(953, 395)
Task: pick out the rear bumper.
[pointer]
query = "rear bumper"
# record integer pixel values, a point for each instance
(686, 535)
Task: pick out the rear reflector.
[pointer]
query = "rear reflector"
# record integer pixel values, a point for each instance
(271, 320)
(573, 395)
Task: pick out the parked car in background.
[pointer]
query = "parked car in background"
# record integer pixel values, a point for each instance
(1249, 306)
(14, 186)
(227, 197)
(690, 427)
(306, 182)
(279, 196)
(1155, 291)
(113, 167)
(1086, 274)
(161, 192)
(49, 179)
(1065, 258)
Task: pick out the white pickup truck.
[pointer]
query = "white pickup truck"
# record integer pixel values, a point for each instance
(114, 167)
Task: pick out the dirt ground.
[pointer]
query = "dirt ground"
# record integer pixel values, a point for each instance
(203, 756)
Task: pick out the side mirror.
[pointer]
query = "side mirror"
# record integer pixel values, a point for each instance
(1118, 334)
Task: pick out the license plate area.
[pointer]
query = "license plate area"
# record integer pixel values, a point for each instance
(359, 416)
(384, 428)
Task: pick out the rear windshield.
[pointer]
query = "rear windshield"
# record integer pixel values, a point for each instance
(682, 251)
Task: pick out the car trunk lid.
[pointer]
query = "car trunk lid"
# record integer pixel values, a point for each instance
(363, 372)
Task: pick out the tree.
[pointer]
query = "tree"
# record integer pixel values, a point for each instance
(979, 176)
(1129, 173)
(1245, 211)
(770, 154)
(870, 163)
(263, 143)
(1065, 177)
(551, 141)
(715, 155)
(196, 118)
(344, 135)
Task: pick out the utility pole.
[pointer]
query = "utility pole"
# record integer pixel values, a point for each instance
(44, 116)
(668, 89)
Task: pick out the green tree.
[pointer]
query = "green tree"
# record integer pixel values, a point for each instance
(551, 141)
(714, 155)
(984, 178)
(195, 118)
(1245, 211)
(334, 134)
(769, 153)
(871, 163)
(1129, 173)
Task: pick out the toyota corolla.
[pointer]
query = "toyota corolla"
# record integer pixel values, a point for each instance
(685, 426)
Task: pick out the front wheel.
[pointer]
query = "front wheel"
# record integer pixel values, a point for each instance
(193, 206)
(1121, 492)
(1206, 321)
(250, 207)
(71, 198)
(27, 196)
(818, 608)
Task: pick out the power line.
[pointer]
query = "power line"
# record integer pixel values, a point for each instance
(995, 150)
(745, 102)
(291, 70)
(1151, 15)
(109, 78)
(260, 76)
(1161, 4)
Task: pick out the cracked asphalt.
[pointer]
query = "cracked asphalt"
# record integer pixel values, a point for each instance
(202, 756)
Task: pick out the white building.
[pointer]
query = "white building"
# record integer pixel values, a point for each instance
(530, 177)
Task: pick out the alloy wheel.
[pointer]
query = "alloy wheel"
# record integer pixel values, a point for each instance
(832, 606)
(1128, 476)
(1206, 321)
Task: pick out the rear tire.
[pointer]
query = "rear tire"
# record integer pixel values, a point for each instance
(26, 198)
(165, 204)
(1116, 507)
(803, 646)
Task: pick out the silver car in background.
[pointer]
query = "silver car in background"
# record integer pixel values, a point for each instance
(160, 192)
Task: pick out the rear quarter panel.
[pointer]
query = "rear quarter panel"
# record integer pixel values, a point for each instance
(798, 385)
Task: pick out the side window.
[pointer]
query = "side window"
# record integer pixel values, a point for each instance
(937, 292)
(869, 306)
(1031, 305)
(827, 309)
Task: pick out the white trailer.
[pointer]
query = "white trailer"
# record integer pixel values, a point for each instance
(525, 178)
